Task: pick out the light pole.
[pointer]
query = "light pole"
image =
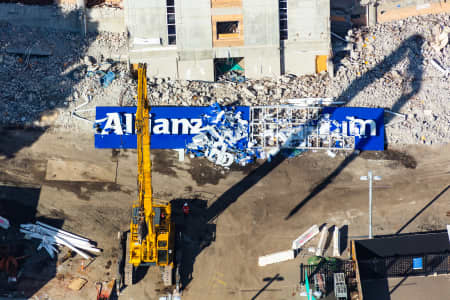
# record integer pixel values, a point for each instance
(370, 177)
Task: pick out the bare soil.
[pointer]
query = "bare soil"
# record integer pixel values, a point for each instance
(237, 215)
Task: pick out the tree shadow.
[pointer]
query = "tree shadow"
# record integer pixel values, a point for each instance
(269, 280)
(203, 221)
(343, 235)
(410, 49)
(423, 209)
(36, 268)
(41, 94)
(194, 232)
(30, 57)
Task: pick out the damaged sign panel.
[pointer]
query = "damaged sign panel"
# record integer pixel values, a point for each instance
(241, 129)
(332, 128)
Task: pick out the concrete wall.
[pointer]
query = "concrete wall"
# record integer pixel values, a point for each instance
(196, 69)
(193, 20)
(60, 18)
(40, 16)
(261, 23)
(194, 40)
(263, 62)
(308, 35)
(105, 19)
(146, 19)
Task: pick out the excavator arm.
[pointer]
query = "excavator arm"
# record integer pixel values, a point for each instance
(151, 237)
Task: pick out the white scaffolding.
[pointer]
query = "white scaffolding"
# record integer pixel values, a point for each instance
(294, 127)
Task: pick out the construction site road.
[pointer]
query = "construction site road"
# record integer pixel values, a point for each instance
(236, 215)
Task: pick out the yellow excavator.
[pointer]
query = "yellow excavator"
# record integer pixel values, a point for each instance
(150, 241)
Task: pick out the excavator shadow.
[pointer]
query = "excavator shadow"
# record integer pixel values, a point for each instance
(193, 234)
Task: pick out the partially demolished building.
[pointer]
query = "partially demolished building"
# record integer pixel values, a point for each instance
(202, 39)
(193, 40)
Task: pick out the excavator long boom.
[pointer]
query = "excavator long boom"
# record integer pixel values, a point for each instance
(151, 237)
(142, 242)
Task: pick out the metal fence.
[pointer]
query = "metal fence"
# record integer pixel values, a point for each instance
(327, 269)
(400, 266)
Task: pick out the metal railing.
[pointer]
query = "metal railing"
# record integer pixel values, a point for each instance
(400, 266)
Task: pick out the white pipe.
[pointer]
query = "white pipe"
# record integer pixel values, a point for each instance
(74, 112)
(61, 231)
(65, 243)
(43, 232)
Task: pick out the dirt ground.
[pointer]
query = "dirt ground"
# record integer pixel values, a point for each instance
(237, 215)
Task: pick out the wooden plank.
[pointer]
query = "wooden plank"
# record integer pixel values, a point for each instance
(321, 63)
(226, 3)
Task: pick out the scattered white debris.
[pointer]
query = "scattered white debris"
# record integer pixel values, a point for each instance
(331, 154)
(224, 138)
(52, 236)
(444, 71)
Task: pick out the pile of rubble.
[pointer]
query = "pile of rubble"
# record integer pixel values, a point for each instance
(391, 65)
(224, 138)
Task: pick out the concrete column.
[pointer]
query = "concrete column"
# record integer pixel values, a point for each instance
(81, 5)
(371, 15)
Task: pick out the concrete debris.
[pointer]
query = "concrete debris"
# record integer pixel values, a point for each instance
(331, 154)
(51, 237)
(33, 50)
(322, 240)
(275, 258)
(444, 71)
(378, 67)
(440, 35)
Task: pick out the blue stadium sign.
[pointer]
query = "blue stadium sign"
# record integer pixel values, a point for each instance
(365, 124)
(174, 127)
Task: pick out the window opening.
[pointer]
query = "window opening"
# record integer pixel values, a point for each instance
(283, 20)
(227, 30)
(171, 27)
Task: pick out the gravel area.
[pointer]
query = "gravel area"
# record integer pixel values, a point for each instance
(388, 65)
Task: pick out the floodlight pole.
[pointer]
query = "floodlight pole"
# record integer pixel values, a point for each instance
(370, 178)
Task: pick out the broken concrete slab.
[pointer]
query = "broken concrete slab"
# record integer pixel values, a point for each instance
(275, 258)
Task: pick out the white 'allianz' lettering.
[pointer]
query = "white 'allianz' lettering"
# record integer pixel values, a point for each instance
(114, 124)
